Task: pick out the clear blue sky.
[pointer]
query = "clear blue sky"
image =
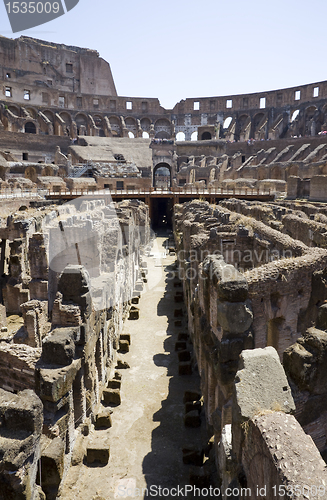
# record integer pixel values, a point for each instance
(186, 48)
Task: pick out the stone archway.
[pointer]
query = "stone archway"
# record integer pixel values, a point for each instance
(30, 128)
(162, 175)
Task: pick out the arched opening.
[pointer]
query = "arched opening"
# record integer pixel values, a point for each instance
(30, 128)
(145, 124)
(32, 113)
(47, 171)
(227, 122)
(162, 176)
(101, 133)
(67, 123)
(14, 110)
(131, 126)
(295, 115)
(206, 136)
(145, 135)
(82, 124)
(30, 173)
(162, 128)
(180, 136)
(131, 135)
(115, 126)
(194, 136)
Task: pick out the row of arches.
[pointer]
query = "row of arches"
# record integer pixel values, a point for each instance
(51, 122)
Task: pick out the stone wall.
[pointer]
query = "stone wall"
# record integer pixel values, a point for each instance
(70, 274)
(234, 313)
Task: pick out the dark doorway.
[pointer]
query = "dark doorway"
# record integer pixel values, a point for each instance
(206, 136)
(30, 128)
(162, 176)
(161, 213)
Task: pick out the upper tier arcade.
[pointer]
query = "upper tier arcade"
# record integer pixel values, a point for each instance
(54, 89)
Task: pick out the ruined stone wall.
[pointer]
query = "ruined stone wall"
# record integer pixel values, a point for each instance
(78, 80)
(70, 281)
(272, 303)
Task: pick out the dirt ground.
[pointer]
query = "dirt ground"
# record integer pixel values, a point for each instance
(148, 431)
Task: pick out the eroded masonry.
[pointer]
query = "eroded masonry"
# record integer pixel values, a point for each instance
(237, 184)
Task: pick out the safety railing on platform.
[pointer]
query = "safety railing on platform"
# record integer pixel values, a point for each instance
(178, 191)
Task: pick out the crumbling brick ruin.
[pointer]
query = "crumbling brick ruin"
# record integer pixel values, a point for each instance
(69, 274)
(248, 285)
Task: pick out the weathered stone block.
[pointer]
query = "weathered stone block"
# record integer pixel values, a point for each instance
(125, 336)
(121, 364)
(111, 396)
(134, 313)
(178, 313)
(192, 419)
(98, 450)
(103, 419)
(234, 317)
(261, 384)
(114, 384)
(185, 368)
(123, 346)
(58, 348)
(184, 355)
(180, 345)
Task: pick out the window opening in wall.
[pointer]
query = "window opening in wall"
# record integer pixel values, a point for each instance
(316, 92)
(297, 95)
(227, 122)
(44, 70)
(8, 75)
(145, 135)
(25, 156)
(113, 105)
(61, 101)
(279, 98)
(262, 102)
(79, 102)
(144, 107)
(69, 68)
(245, 102)
(49, 83)
(196, 105)
(45, 97)
(129, 105)
(27, 95)
(180, 136)
(295, 114)
(120, 185)
(131, 135)
(95, 103)
(194, 136)
(8, 92)
(229, 103)
(243, 158)
(212, 105)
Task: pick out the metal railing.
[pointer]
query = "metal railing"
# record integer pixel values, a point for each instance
(26, 193)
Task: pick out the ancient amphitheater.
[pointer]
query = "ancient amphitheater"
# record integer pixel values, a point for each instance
(163, 299)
